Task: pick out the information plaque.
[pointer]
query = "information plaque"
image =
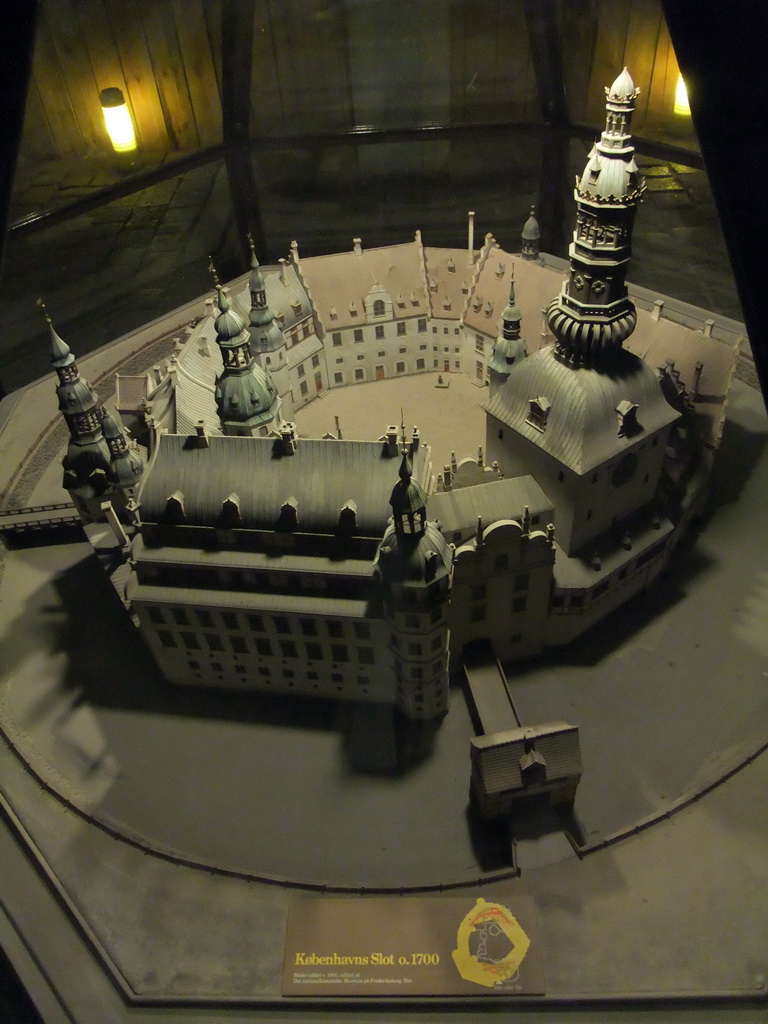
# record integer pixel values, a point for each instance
(413, 946)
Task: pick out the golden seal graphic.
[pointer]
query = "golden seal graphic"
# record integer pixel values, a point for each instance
(490, 945)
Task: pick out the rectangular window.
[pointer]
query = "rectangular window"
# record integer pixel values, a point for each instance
(423, 348)
(155, 615)
(436, 644)
(264, 647)
(365, 655)
(522, 581)
(338, 378)
(281, 624)
(414, 650)
(308, 627)
(358, 334)
(400, 368)
(304, 387)
(256, 623)
(362, 630)
(288, 648)
(263, 670)
(423, 326)
(301, 370)
(336, 338)
(180, 616)
(359, 373)
(314, 651)
(519, 604)
(401, 327)
(379, 332)
(315, 360)
(239, 645)
(479, 345)
(335, 628)
(339, 361)
(229, 619)
(214, 642)
(403, 351)
(190, 641)
(339, 652)
(478, 592)
(166, 638)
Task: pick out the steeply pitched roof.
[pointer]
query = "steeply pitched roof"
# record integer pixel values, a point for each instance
(582, 425)
(322, 477)
(458, 510)
(497, 756)
(448, 274)
(343, 280)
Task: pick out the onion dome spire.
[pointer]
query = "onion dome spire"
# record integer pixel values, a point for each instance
(593, 315)
(266, 332)
(126, 466)
(509, 347)
(531, 237)
(246, 396)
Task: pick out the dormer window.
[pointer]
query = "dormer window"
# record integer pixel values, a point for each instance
(477, 302)
(229, 517)
(401, 301)
(378, 307)
(538, 413)
(332, 313)
(500, 271)
(348, 518)
(489, 309)
(451, 266)
(289, 515)
(174, 508)
(296, 307)
(627, 414)
(352, 309)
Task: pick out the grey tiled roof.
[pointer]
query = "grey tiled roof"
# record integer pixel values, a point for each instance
(322, 476)
(499, 499)
(497, 757)
(582, 426)
(131, 391)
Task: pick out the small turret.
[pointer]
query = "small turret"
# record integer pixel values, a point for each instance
(509, 347)
(246, 397)
(531, 237)
(265, 331)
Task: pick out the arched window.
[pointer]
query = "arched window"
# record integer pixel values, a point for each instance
(378, 307)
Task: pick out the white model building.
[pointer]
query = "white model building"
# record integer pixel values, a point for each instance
(346, 568)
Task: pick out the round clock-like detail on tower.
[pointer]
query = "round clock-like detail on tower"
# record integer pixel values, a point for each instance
(578, 282)
(598, 287)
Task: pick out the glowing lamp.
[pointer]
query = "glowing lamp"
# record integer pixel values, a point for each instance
(118, 121)
(681, 98)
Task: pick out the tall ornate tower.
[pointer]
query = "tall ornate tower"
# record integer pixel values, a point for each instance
(593, 315)
(246, 397)
(414, 566)
(531, 237)
(586, 417)
(98, 466)
(267, 339)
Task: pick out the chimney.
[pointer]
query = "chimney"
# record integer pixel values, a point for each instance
(697, 377)
(447, 478)
(358, 246)
(708, 328)
(116, 526)
(479, 533)
(157, 373)
(288, 438)
(471, 243)
(295, 251)
(283, 263)
(415, 440)
(658, 309)
(202, 438)
(392, 440)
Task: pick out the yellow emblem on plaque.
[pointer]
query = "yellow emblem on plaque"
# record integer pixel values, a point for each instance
(490, 945)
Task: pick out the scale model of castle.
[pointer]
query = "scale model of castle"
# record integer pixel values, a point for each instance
(345, 568)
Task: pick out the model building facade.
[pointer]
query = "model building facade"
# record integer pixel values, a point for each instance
(348, 568)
